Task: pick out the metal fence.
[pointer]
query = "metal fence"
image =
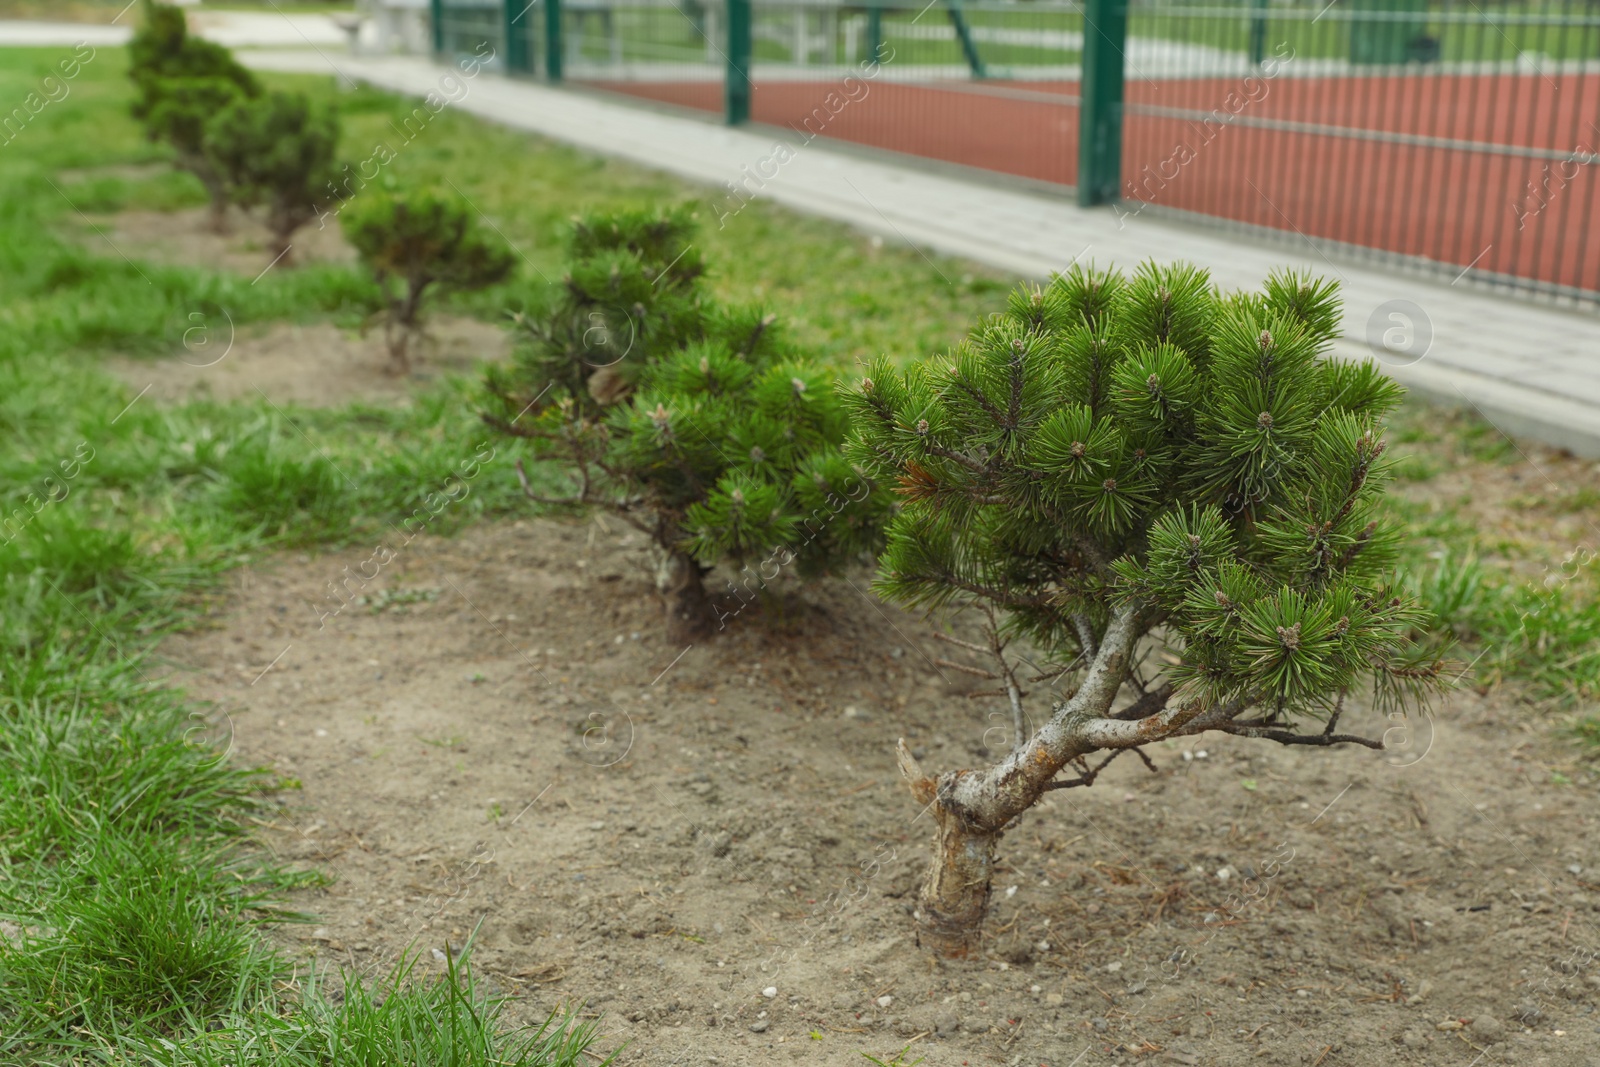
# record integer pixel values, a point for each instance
(1459, 138)
(1449, 136)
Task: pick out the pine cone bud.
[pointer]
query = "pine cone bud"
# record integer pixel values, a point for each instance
(737, 497)
(1265, 340)
(799, 386)
(1077, 450)
(1290, 636)
(866, 385)
(756, 455)
(922, 426)
(1110, 485)
(1264, 420)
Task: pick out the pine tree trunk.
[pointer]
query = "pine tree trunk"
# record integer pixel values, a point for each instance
(972, 808)
(281, 245)
(398, 340)
(955, 891)
(679, 580)
(217, 215)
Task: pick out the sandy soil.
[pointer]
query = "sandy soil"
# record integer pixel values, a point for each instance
(184, 237)
(498, 738)
(318, 365)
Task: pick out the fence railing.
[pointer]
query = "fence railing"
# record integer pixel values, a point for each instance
(1460, 137)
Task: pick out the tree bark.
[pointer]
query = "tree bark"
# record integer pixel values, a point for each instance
(217, 215)
(679, 580)
(971, 809)
(955, 891)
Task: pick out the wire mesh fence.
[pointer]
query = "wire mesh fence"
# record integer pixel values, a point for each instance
(471, 28)
(1445, 135)
(985, 84)
(1440, 133)
(669, 51)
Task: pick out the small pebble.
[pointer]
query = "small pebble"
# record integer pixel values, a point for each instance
(770, 992)
(885, 1000)
(759, 1026)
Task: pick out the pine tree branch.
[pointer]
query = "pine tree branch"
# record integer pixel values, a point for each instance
(1086, 640)
(952, 640)
(506, 427)
(963, 668)
(622, 509)
(997, 648)
(1286, 737)
(1089, 774)
(977, 394)
(1333, 716)
(956, 457)
(1148, 704)
(755, 335)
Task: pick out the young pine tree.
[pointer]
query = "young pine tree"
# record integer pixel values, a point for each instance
(275, 150)
(180, 83)
(419, 242)
(696, 423)
(1118, 461)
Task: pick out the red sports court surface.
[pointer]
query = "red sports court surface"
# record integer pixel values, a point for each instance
(1484, 207)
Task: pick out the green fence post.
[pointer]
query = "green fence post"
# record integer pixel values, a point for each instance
(736, 83)
(874, 31)
(518, 57)
(552, 39)
(436, 13)
(1105, 39)
(1258, 31)
(969, 47)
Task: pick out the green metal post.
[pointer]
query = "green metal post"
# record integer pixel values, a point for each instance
(736, 84)
(1258, 31)
(436, 13)
(1105, 40)
(519, 59)
(874, 31)
(552, 39)
(969, 47)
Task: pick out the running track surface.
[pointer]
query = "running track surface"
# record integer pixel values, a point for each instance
(1532, 218)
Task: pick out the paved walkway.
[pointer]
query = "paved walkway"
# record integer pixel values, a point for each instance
(1531, 370)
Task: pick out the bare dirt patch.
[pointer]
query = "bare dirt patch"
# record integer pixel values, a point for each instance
(497, 735)
(316, 365)
(183, 238)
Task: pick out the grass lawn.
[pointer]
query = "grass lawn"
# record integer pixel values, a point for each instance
(128, 888)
